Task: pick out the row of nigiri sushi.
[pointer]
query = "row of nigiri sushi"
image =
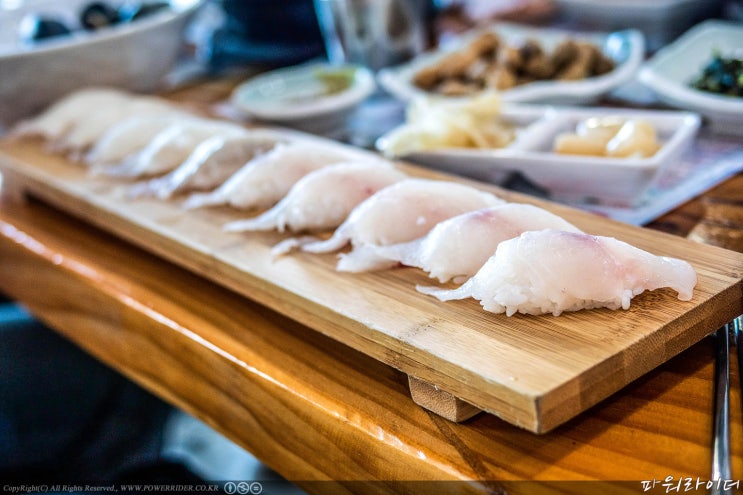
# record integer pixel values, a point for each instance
(511, 257)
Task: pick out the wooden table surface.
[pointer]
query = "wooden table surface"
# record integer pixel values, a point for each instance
(315, 410)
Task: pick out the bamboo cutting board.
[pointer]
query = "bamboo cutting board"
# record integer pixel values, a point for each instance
(534, 372)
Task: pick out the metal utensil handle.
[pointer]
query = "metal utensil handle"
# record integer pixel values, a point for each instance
(737, 334)
(721, 469)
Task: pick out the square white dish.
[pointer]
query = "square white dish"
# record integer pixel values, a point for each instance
(570, 178)
(669, 73)
(625, 48)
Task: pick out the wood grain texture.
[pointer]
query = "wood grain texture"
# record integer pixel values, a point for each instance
(536, 372)
(314, 409)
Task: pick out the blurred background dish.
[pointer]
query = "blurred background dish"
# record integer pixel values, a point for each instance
(625, 50)
(661, 21)
(46, 51)
(671, 72)
(314, 97)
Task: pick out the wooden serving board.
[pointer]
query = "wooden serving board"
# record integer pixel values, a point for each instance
(534, 372)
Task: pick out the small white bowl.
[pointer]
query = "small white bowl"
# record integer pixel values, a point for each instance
(301, 97)
(134, 55)
(669, 72)
(625, 48)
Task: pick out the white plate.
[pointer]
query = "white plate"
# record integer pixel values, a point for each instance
(669, 72)
(570, 178)
(625, 48)
(297, 96)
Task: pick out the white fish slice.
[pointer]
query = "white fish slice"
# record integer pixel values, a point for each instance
(209, 165)
(263, 181)
(53, 123)
(85, 132)
(169, 148)
(402, 212)
(458, 247)
(550, 271)
(126, 138)
(322, 199)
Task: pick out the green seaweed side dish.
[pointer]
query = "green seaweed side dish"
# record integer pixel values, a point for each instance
(722, 76)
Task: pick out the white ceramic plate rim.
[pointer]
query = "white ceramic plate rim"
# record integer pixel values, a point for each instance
(362, 86)
(397, 80)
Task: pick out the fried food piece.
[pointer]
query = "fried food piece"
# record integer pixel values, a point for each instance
(488, 62)
(427, 77)
(456, 87)
(581, 65)
(478, 71)
(456, 64)
(603, 64)
(530, 49)
(539, 67)
(486, 44)
(564, 54)
(511, 58)
(501, 78)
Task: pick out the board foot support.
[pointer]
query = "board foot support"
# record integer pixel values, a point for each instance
(440, 402)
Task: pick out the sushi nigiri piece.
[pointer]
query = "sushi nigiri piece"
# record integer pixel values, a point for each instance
(322, 199)
(85, 132)
(263, 181)
(126, 138)
(53, 123)
(402, 212)
(170, 147)
(458, 247)
(209, 165)
(551, 271)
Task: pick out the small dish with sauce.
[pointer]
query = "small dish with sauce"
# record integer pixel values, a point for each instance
(313, 97)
